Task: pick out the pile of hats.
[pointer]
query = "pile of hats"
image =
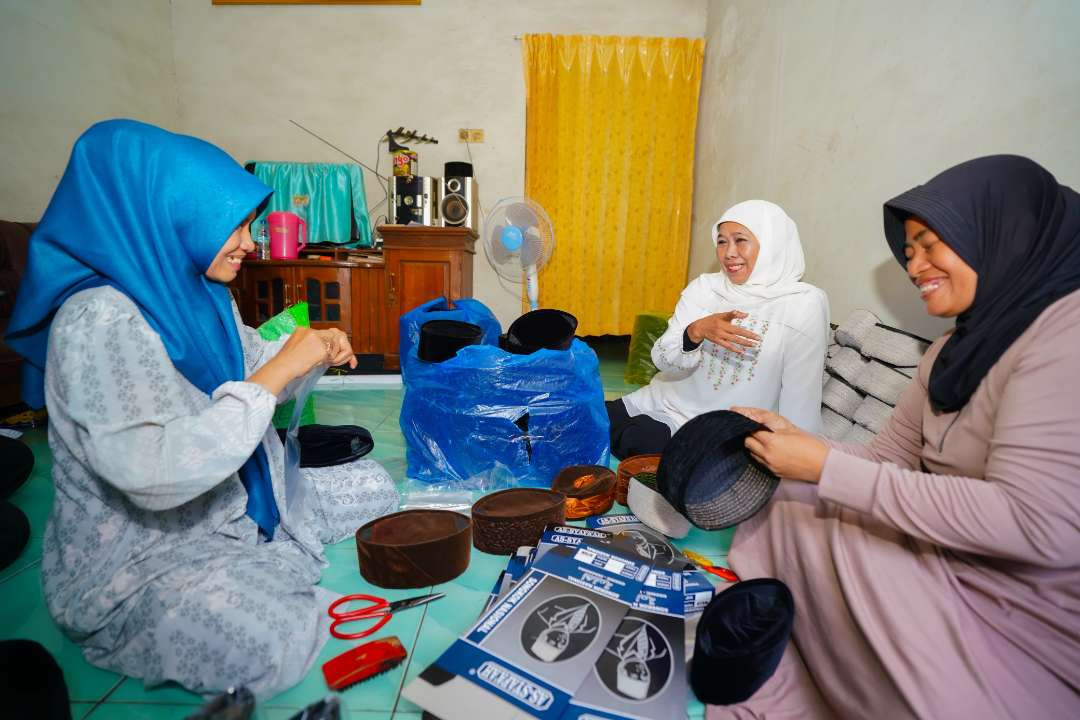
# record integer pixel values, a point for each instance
(867, 366)
(546, 328)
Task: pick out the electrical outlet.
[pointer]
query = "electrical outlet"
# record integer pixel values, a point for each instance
(471, 135)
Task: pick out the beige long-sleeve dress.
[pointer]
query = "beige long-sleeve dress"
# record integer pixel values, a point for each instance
(936, 571)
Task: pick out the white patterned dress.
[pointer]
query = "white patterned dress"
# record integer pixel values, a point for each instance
(150, 562)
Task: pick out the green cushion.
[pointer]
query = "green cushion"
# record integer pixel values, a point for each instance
(639, 364)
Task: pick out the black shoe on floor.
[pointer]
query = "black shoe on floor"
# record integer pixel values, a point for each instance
(14, 533)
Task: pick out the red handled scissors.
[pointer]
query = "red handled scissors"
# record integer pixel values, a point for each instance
(379, 609)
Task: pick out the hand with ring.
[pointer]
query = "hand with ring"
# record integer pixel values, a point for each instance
(304, 350)
(721, 329)
(338, 348)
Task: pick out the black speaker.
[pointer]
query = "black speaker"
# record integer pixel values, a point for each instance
(460, 195)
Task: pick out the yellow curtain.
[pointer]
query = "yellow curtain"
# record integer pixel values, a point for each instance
(609, 153)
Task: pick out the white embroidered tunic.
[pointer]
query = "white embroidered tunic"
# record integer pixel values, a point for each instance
(782, 374)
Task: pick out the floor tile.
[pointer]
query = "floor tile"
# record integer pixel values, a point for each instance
(30, 556)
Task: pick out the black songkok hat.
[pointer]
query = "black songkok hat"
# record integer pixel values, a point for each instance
(707, 475)
(539, 329)
(740, 639)
(441, 339)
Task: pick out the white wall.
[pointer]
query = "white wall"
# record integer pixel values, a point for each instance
(831, 107)
(67, 64)
(349, 73)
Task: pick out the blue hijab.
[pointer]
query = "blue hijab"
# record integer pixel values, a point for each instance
(145, 211)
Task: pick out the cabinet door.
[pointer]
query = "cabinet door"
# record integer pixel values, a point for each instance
(369, 311)
(266, 292)
(328, 293)
(414, 277)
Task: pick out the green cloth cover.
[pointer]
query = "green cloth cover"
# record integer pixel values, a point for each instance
(283, 324)
(639, 364)
(330, 197)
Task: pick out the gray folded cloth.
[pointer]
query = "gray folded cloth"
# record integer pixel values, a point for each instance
(846, 363)
(882, 382)
(855, 329)
(654, 510)
(858, 434)
(893, 346)
(840, 397)
(872, 414)
(835, 426)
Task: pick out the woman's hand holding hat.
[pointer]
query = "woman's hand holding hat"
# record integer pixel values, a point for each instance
(788, 451)
(721, 330)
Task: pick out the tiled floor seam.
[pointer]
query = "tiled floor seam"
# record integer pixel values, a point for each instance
(408, 660)
(21, 570)
(102, 701)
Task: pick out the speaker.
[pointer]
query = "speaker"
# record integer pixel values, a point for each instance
(414, 198)
(458, 206)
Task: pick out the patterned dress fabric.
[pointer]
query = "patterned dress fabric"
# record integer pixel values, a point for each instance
(150, 562)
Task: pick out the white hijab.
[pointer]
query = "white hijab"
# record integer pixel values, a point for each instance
(780, 262)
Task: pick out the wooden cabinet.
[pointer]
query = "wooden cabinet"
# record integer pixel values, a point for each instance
(268, 287)
(423, 263)
(365, 299)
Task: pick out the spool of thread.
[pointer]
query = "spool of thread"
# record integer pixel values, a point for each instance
(589, 490)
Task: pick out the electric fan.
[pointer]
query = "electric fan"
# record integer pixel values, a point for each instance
(518, 239)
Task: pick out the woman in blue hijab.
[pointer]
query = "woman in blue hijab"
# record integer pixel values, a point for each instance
(171, 553)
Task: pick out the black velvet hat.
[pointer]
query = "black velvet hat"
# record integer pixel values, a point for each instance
(539, 329)
(740, 639)
(441, 339)
(324, 445)
(31, 682)
(16, 462)
(707, 475)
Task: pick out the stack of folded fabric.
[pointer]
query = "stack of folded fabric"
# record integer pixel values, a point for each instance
(867, 367)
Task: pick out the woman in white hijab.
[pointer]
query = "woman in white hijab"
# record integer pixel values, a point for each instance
(750, 335)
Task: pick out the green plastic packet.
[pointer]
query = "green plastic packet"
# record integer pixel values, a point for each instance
(274, 329)
(639, 364)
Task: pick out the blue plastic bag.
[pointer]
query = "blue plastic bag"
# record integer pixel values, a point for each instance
(465, 310)
(488, 413)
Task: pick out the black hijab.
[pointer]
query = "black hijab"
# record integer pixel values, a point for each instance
(1019, 230)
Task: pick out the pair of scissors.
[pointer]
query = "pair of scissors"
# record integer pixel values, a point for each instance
(379, 609)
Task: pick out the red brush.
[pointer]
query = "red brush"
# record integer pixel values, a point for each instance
(363, 662)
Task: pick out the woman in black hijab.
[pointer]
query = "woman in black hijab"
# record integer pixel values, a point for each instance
(936, 570)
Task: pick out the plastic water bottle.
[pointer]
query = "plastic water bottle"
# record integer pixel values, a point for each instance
(262, 240)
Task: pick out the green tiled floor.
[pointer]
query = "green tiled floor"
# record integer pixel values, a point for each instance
(426, 632)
